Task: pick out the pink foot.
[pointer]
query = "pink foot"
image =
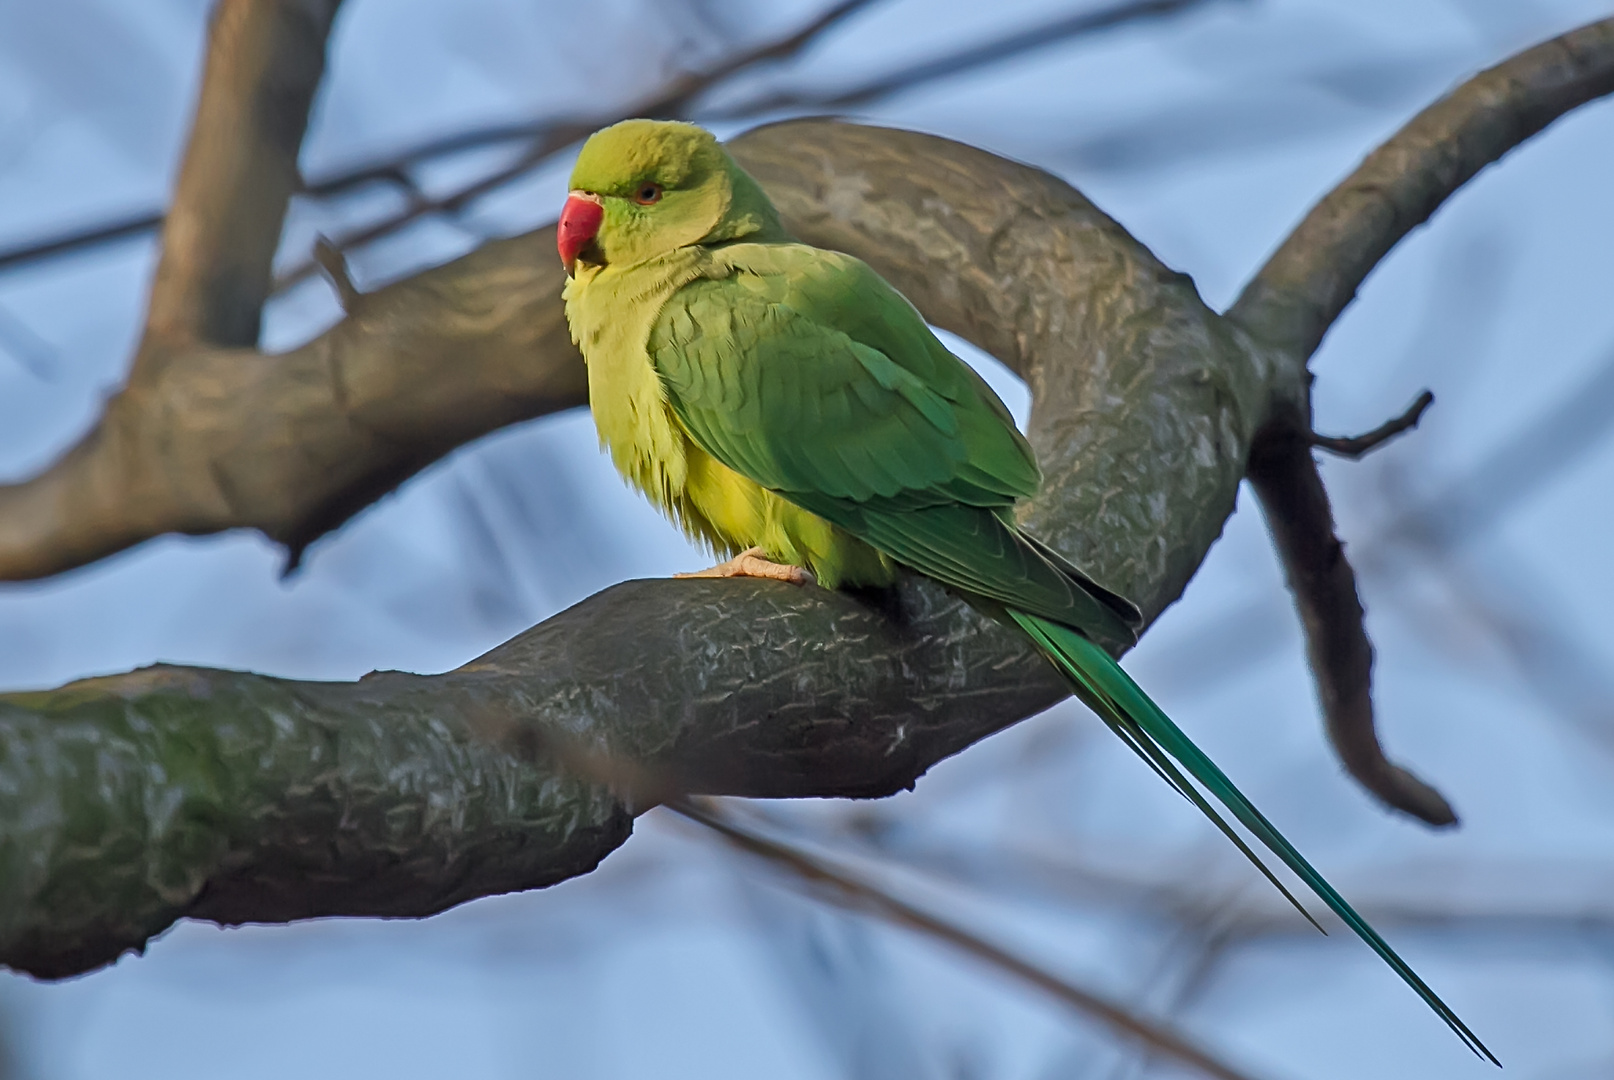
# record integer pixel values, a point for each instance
(751, 563)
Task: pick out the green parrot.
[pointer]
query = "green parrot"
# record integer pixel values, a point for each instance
(786, 406)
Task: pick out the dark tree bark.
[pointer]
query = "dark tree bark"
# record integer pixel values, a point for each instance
(133, 800)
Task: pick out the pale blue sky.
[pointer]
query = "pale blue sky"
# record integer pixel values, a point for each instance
(1207, 136)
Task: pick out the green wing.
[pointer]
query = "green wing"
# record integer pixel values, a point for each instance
(804, 371)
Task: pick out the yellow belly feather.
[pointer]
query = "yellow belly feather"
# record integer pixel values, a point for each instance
(611, 313)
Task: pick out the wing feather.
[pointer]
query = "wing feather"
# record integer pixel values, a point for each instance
(803, 370)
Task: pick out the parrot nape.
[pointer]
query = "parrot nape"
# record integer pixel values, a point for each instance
(787, 406)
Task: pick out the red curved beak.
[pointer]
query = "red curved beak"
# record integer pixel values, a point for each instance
(579, 223)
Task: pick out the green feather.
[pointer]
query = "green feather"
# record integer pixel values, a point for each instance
(824, 393)
(1106, 688)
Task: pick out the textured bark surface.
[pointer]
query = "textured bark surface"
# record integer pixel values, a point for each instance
(729, 686)
(132, 800)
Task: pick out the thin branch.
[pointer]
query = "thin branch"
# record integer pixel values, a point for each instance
(847, 889)
(31, 251)
(1519, 466)
(548, 135)
(1314, 274)
(670, 102)
(1356, 447)
(1054, 32)
(33, 353)
(1459, 513)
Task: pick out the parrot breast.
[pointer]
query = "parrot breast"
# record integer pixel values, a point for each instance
(611, 312)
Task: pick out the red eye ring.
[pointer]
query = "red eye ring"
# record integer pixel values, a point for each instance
(647, 193)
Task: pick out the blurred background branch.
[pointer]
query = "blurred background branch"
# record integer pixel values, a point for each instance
(845, 887)
(538, 141)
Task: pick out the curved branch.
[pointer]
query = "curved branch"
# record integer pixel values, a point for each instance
(1146, 406)
(293, 445)
(1299, 293)
(1308, 281)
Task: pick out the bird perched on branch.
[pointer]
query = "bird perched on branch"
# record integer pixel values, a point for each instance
(788, 407)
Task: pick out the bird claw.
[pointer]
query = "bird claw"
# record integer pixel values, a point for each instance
(751, 563)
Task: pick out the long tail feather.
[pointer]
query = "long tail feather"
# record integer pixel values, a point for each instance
(1110, 692)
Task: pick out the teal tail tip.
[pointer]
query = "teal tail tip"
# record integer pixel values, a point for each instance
(1126, 710)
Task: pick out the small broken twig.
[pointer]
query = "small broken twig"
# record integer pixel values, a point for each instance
(334, 264)
(1358, 446)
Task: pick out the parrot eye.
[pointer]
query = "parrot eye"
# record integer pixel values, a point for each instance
(647, 193)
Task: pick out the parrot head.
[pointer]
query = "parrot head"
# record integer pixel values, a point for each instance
(644, 188)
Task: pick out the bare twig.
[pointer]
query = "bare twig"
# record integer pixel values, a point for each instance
(1054, 32)
(671, 101)
(1469, 506)
(549, 136)
(1458, 514)
(850, 890)
(334, 265)
(1358, 446)
(34, 354)
(31, 251)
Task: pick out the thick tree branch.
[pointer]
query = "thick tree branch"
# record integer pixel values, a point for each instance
(1146, 406)
(134, 800)
(264, 62)
(293, 445)
(1304, 287)
(137, 469)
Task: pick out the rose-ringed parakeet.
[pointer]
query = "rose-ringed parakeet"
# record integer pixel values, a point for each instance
(787, 406)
